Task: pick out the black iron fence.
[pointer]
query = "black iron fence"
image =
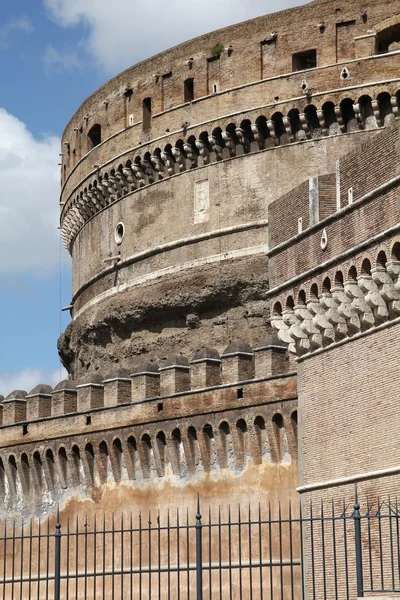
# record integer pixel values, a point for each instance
(291, 553)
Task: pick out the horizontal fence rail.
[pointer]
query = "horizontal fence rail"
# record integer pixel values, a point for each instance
(293, 552)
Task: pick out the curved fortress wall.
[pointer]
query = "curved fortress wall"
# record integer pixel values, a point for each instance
(169, 169)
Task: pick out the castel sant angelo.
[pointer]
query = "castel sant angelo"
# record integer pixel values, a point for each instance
(231, 207)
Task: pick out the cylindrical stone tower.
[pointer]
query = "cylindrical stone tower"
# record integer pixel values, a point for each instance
(168, 171)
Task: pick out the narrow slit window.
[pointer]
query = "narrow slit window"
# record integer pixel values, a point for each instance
(146, 114)
(189, 90)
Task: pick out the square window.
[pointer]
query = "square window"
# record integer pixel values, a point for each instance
(304, 60)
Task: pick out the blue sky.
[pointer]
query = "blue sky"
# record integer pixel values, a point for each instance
(53, 54)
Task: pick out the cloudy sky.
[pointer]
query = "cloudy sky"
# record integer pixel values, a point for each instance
(53, 54)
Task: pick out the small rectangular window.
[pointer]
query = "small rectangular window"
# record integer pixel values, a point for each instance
(215, 88)
(350, 195)
(299, 224)
(304, 60)
(130, 120)
(146, 114)
(188, 89)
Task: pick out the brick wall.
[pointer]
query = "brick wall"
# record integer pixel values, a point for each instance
(348, 407)
(365, 171)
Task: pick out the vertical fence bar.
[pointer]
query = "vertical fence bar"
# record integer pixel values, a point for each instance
(86, 556)
(68, 553)
(22, 561)
(94, 555)
(169, 555)
(250, 557)
(303, 590)
(199, 554)
(30, 560)
(57, 558)
(209, 553)
(240, 553)
(398, 539)
(159, 554)
(5, 560)
(230, 552)
(323, 547)
(357, 535)
(380, 545)
(187, 553)
(220, 552)
(334, 550)
(391, 543)
(371, 582)
(178, 551)
(271, 577)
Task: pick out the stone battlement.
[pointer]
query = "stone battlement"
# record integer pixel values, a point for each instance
(149, 381)
(182, 420)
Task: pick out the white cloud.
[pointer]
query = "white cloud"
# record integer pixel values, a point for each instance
(53, 58)
(124, 32)
(29, 192)
(27, 379)
(23, 24)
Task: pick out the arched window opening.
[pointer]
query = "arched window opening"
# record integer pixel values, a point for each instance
(352, 274)
(367, 112)
(77, 464)
(302, 297)
(339, 280)
(326, 286)
(262, 127)
(396, 251)
(103, 456)
(385, 108)
(277, 309)
(381, 259)
(3, 484)
(289, 303)
(208, 435)
(295, 124)
(279, 127)
(193, 444)
(349, 117)
(279, 432)
(388, 39)
(241, 429)
(314, 292)
(89, 452)
(261, 432)
(330, 118)
(366, 267)
(132, 452)
(37, 464)
(62, 460)
(94, 136)
(146, 447)
(225, 437)
(117, 450)
(50, 466)
(312, 119)
(25, 469)
(161, 445)
(13, 471)
(146, 114)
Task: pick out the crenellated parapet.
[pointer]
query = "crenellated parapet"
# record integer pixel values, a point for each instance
(354, 297)
(152, 163)
(181, 419)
